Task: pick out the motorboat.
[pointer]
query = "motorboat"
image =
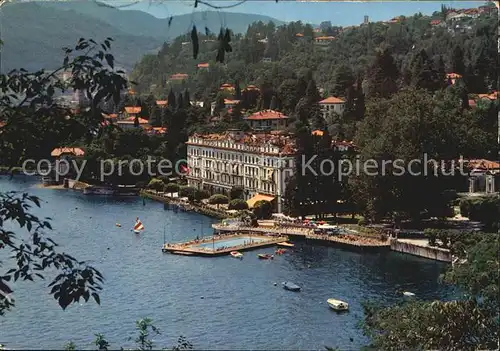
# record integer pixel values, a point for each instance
(408, 294)
(337, 305)
(118, 224)
(290, 286)
(286, 244)
(236, 254)
(280, 251)
(265, 256)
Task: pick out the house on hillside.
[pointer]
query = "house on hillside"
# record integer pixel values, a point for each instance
(484, 176)
(323, 40)
(132, 111)
(332, 105)
(228, 104)
(178, 78)
(129, 123)
(267, 119)
(203, 66)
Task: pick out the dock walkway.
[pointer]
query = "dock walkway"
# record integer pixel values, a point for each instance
(344, 239)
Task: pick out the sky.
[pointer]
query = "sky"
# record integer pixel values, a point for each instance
(339, 13)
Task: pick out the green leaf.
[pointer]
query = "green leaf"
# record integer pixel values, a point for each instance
(110, 60)
(96, 298)
(194, 39)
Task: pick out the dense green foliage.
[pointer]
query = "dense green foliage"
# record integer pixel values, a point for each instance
(483, 209)
(470, 323)
(45, 27)
(420, 55)
(33, 121)
(146, 330)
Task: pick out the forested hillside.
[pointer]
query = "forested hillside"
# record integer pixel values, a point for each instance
(417, 47)
(35, 32)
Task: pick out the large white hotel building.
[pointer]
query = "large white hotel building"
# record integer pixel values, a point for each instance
(260, 163)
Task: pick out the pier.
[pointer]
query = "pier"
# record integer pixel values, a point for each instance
(219, 245)
(346, 239)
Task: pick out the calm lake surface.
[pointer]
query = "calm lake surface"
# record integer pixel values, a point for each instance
(241, 308)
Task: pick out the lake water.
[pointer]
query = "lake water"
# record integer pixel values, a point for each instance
(241, 308)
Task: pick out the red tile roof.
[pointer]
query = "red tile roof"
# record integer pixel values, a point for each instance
(67, 150)
(435, 22)
(325, 38)
(493, 96)
(203, 65)
(110, 116)
(472, 103)
(483, 164)
(161, 102)
(332, 100)
(133, 109)
(179, 76)
(317, 132)
(226, 86)
(299, 35)
(132, 120)
(266, 114)
(453, 75)
(231, 102)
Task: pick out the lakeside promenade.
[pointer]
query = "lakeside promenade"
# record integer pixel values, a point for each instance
(344, 239)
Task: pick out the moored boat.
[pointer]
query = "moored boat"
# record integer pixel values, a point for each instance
(265, 256)
(337, 305)
(280, 251)
(408, 294)
(138, 227)
(286, 244)
(98, 190)
(290, 286)
(236, 254)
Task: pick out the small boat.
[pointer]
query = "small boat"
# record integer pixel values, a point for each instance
(236, 254)
(337, 305)
(138, 227)
(280, 251)
(118, 224)
(408, 294)
(265, 256)
(285, 244)
(290, 286)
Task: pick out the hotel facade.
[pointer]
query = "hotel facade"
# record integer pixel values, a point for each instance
(260, 163)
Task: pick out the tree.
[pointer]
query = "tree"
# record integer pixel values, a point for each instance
(143, 341)
(33, 124)
(156, 184)
(236, 192)
(274, 103)
(186, 99)
(406, 127)
(263, 209)
(172, 102)
(171, 188)
(237, 94)
(218, 199)
(238, 204)
(180, 101)
(458, 60)
(383, 75)
(188, 191)
(469, 323)
(423, 74)
(343, 79)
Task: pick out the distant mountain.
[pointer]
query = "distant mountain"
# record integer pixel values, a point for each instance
(34, 32)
